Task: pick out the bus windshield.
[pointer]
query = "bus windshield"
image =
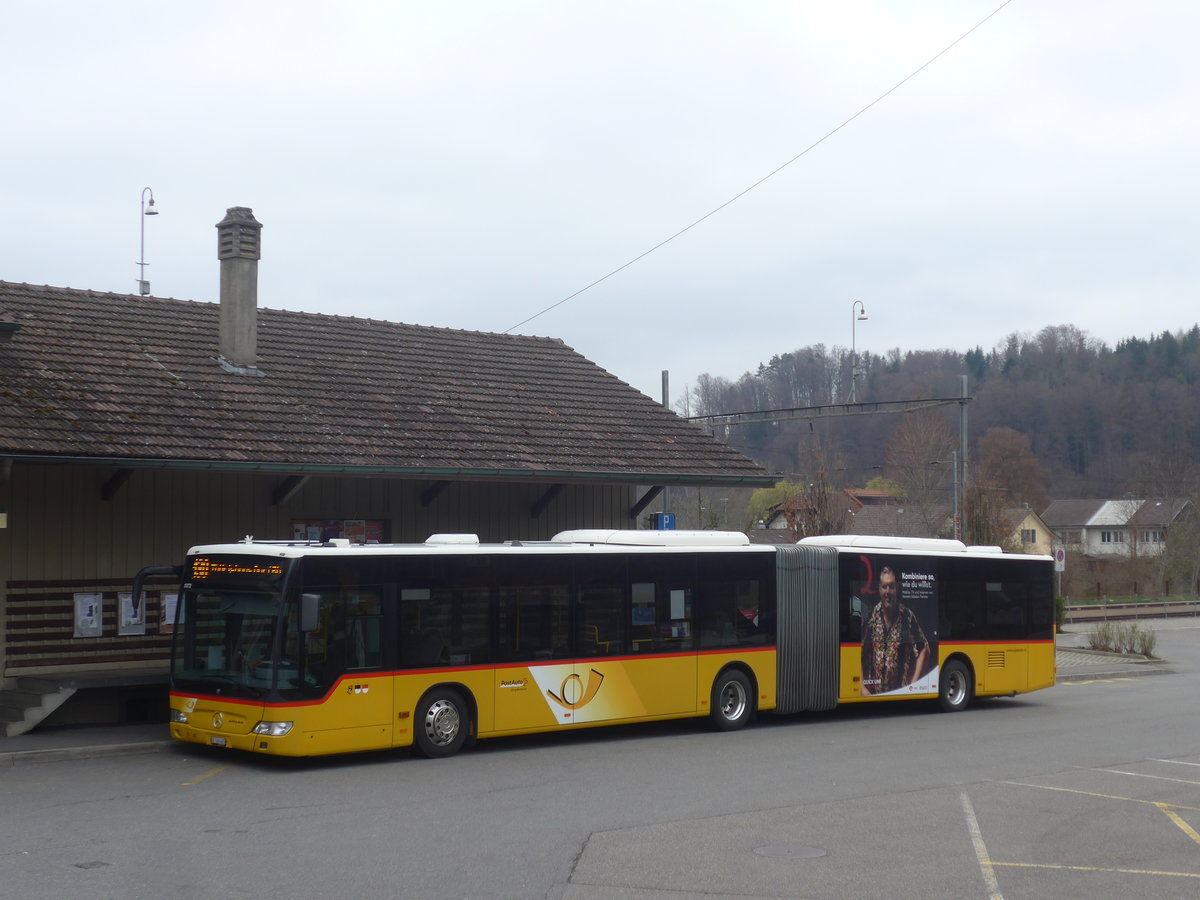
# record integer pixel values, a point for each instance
(226, 629)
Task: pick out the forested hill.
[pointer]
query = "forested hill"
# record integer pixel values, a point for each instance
(1103, 420)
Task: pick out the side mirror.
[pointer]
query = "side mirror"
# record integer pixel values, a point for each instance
(310, 612)
(139, 579)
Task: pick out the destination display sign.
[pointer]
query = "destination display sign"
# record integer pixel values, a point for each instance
(232, 569)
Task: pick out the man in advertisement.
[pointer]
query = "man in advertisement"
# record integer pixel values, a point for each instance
(895, 651)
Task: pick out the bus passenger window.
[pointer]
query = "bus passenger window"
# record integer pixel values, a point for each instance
(600, 608)
(349, 636)
(533, 596)
(734, 606)
(663, 591)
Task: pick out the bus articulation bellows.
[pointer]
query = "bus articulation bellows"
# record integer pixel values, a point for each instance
(298, 649)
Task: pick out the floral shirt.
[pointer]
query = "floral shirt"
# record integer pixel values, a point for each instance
(889, 655)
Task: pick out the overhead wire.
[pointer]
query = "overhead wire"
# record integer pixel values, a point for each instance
(708, 215)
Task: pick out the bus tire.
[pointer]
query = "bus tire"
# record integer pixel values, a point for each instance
(732, 701)
(443, 721)
(956, 688)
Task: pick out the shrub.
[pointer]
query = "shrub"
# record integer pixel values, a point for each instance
(1123, 637)
(1147, 640)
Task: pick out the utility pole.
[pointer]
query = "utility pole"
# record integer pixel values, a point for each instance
(666, 401)
(962, 451)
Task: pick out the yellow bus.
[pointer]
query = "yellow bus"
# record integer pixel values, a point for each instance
(299, 649)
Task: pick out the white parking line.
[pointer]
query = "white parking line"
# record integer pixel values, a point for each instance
(985, 862)
(1145, 775)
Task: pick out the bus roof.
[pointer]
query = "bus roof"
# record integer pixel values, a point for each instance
(941, 546)
(650, 538)
(458, 543)
(885, 542)
(599, 539)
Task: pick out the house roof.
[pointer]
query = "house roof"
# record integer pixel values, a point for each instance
(1112, 513)
(1157, 512)
(901, 520)
(771, 536)
(865, 497)
(130, 380)
(1071, 513)
(1017, 516)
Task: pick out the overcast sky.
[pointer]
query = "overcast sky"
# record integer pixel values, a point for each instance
(468, 164)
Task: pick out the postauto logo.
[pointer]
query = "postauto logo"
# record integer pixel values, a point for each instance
(575, 695)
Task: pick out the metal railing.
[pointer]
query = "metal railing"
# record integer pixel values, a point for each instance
(1116, 611)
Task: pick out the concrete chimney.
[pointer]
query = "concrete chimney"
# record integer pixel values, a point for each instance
(238, 251)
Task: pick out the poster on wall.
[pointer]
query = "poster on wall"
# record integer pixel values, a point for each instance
(356, 531)
(89, 615)
(166, 624)
(131, 619)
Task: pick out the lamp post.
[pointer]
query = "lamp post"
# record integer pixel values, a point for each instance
(854, 320)
(148, 209)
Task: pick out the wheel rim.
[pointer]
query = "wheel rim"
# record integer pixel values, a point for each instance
(733, 701)
(442, 723)
(956, 689)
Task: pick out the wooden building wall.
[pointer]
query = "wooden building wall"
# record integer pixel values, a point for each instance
(63, 538)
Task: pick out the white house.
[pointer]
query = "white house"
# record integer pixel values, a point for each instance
(1129, 527)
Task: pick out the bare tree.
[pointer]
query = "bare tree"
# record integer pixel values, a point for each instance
(1007, 464)
(821, 507)
(1174, 478)
(918, 456)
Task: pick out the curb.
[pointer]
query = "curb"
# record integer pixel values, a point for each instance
(1130, 670)
(58, 754)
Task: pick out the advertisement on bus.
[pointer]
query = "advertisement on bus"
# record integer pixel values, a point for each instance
(892, 604)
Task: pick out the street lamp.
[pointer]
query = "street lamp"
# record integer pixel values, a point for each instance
(854, 320)
(148, 209)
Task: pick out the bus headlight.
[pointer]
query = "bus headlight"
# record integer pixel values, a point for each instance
(178, 715)
(272, 729)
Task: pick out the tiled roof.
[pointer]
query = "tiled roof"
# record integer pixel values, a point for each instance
(1015, 516)
(771, 536)
(899, 520)
(123, 377)
(1157, 512)
(1101, 513)
(864, 497)
(1071, 513)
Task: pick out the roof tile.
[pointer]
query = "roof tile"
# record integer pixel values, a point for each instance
(114, 375)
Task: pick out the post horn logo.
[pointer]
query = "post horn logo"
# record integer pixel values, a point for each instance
(574, 694)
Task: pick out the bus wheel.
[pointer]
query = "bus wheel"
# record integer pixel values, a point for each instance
(956, 689)
(442, 723)
(731, 703)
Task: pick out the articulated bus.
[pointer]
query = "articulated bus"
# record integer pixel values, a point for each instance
(299, 649)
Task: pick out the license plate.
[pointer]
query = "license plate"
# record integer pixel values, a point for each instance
(217, 741)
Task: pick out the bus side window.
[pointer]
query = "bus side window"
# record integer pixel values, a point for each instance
(353, 631)
(445, 615)
(424, 621)
(599, 631)
(533, 614)
(663, 594)
(734, 607)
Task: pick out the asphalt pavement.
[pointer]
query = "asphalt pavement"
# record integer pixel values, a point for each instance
(1075, 663)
